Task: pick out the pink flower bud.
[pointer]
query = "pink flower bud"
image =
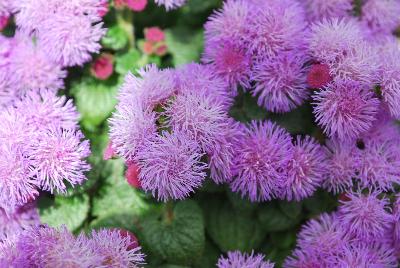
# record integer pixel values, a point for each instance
(102, 68)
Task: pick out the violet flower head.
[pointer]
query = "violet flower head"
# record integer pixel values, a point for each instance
(46, 110)
(341, 166)
(130, 126)
(276, 27)
(381, 16)
(230, 61)
(170, 166)
(306, 169)
(116, 249)
(332, 39)
(260, 161)
(236, 259)
(303, 258)
(318, 10)
(58, 155)
(365, 217)
(32, 69)
(68, 39)
(281, 82)
(345, 109)
(170, 4)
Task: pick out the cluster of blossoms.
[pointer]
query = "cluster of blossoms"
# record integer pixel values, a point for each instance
(364, 232)
(236, 259)
(43, 246)
(140, 5)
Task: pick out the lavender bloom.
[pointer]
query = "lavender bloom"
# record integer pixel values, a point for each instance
(261, 157)
(381, 16)
(302, 259)
(306, 169)
(275, 27)
(46, 110)
(170, 166)
(236, 259)
(341, 166)
(345, 109)
(230, 61)
(58, 155)
(68, 39)
(365, 217)
(5, 6)
(31, 69)
(22, 218)
(116, 249)
(330, 40)
(170, 4)
(281, 82)
(318, 10)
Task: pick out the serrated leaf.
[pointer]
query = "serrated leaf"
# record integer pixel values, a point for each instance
(176, 236)
(116, 38)
(231, 229)
(69, 211)
(273, 219)
(184, 44)
(210, 256)
(95, 100)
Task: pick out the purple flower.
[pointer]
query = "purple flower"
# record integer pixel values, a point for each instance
(46, 110)
(318, 10)
(381, 16)
(345, 109)
(30, 68)
(22, 218)
(261, 158)
(170, 4)
(281, 82)
(170, 166)
(69, 39)
(57, 155)
(365, 217)
(230, 61)
(116, 249)
(331, 40)
(130, 126)
(306, 169)
(5, 8)
(303, 259)
(275, 27)
(236, 259)
(341, 166)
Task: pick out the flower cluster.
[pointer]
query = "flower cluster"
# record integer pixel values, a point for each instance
(359, 234)
(43, 246)
(236, 259)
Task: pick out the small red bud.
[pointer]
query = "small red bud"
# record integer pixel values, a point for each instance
(132, 175)
(102, 68)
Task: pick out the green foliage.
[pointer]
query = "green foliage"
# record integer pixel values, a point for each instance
(176, 234)
(70, 212)
(273, 219)
(116, 38)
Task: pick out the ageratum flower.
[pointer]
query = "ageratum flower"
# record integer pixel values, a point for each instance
(30, 68)
(306, 169)
(57, 155)
(170, 166)
(345, 109)
(275, 27)
(116, 249)
(46, 110)
(281, 82)
(261, 158)
(69, 39)
(381, 16)
(341, 166)
(300, 259)
(319, 76)
(365, 217)
(170, 4)
(317, 10)
(236, 259)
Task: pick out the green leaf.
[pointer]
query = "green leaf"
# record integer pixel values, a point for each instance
(209, 257)
(240, 203)
(273, 219)
(95, 100)
(184, 44)
(291, 209)
(129, 61)
(231, 229)
(116, 38)
(320, 202)
(69, 211)
(283, 240)
(177, 235)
